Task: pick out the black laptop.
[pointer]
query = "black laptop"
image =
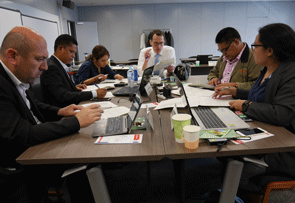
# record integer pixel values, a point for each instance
(129, 91)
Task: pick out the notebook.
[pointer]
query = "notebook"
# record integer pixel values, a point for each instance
(213, 117)
(128, 91)
(120, 124)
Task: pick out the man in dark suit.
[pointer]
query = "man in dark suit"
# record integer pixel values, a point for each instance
(57, 87)
(23, 119)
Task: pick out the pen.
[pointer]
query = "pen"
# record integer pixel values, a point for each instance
(224, 89)
(96, 86)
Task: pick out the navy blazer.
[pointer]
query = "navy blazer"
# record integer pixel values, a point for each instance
(57, 88)
(18, 128)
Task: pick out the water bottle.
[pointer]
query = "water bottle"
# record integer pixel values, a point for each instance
(135, 75)
(130, 76)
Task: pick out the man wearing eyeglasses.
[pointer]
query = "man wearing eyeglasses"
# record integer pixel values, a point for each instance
(236, 67)
(158, 52)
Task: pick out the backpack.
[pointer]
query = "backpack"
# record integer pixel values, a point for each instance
(181, 71)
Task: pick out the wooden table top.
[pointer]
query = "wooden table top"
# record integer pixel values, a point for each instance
(160, 143)
(80, 147)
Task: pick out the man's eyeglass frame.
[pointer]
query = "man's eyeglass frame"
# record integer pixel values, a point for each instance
(225, 50)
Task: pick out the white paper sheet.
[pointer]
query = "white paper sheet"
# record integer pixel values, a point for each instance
(163, 64)
(103, 104)
(115, 112)
(180, 103)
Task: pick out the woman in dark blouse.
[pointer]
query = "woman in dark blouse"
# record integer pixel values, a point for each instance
(96, 68)
(271, 99)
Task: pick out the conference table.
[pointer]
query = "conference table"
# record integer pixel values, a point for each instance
(156, 145)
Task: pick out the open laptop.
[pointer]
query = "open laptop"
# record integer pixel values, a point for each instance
(120, 124)
(213, 117)
(128, 91)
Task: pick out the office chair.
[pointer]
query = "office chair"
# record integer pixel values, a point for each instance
(272, 182)
(133, 61)
(204, 58)
(113, 63)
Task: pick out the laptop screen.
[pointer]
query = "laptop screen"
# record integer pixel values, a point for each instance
(146, 77)
(182, 93)
(134, 109)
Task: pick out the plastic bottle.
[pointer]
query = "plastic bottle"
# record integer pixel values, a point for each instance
(135, 75)
(130, 76)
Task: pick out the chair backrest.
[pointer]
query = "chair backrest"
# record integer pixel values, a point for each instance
(36, 88)
(203, 58)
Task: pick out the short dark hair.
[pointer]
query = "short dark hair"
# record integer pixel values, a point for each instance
(64, 40)
(227, 35)
(98, 52)
(279, 37)
(156, 32)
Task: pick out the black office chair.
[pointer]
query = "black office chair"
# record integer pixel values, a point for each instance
(204, 58)
(133, 61)
(36, 88)
(113, 63)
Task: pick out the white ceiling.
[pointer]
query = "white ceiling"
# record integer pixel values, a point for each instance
(126, 2)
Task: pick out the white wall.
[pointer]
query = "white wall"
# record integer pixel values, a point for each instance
(50, 6)
(194, 25)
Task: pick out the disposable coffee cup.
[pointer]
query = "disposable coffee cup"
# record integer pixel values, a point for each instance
(180, 121)
(191, 136)
(197, 63)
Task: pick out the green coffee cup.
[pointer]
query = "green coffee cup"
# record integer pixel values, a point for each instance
(179, 121)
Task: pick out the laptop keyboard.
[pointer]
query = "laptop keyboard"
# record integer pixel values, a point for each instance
(114, 125)
(209, 118)
(127, 90)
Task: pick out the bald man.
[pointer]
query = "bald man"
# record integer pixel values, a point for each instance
(24, 120)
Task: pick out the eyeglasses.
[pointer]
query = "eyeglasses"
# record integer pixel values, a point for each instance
(253, 46)
(157, 44)
(225, 50)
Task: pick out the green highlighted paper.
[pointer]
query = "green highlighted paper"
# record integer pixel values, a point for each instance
(225, 133)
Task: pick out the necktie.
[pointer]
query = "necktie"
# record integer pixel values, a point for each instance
(157, 61)
(157, 58)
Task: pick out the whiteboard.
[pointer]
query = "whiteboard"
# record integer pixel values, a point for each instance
(87, 37)
(48, 29)
(8, 20)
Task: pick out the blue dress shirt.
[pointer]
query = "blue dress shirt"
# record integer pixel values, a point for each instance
(89, 70)
(257, 91)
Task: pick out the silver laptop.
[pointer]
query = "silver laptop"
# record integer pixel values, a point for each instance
(213, 117)
(120, 124)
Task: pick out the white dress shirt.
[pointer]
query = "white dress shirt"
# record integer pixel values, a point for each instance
(166, 53)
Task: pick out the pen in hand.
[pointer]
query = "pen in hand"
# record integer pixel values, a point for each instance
(223, 89)
(97, 86)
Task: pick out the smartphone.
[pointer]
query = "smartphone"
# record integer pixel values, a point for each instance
(250, 131)
(243, 116)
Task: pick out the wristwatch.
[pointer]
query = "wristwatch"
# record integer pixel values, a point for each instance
(245, 105)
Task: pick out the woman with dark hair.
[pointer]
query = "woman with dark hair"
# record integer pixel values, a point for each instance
(272, 98)
(96, 68)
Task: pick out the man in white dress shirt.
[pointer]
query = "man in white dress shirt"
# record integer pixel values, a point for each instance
(150, 56)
